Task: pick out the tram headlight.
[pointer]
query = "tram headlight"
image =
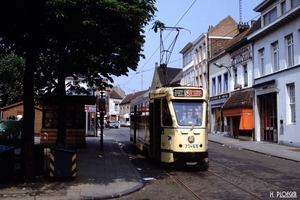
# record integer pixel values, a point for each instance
(191, 139)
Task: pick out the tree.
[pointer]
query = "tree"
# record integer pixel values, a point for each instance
(60, 38)
(11, 82)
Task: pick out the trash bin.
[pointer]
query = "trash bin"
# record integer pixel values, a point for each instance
(7, 163)
(63, 162)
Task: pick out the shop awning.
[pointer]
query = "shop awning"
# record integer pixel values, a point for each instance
(240, 104)
(239, 99)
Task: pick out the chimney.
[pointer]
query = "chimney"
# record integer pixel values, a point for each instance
(242, 26)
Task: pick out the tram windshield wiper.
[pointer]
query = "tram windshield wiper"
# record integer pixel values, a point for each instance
(196, 120)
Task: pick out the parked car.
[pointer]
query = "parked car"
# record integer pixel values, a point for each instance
(114, 124)
(125, 124)
(10, 132)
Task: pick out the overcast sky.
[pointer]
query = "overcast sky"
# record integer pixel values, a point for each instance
(194, 16)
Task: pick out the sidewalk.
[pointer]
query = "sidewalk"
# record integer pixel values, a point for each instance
(267, 148)
(108, 174)
(100, 175)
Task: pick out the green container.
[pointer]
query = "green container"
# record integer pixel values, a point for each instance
(10, 132)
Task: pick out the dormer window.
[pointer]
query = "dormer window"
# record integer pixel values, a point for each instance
(270, 16)
(295, 3)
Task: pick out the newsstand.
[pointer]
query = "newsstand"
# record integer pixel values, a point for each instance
(7, 162)
(63, 162)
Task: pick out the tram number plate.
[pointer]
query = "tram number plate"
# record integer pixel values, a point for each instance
(191, 146)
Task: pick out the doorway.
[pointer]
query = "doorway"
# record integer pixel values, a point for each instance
(268, 117)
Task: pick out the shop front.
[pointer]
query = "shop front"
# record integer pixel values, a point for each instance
(239, 111)
(217, 121)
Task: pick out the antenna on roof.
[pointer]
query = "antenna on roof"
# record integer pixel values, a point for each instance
(240, 9)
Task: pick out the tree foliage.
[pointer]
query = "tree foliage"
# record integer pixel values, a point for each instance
(11, 82)
(60, 38)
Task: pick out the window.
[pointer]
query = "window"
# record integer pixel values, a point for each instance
(187, 58)
(188, 113)
(283, 7)
(261, 56)
(117, 108)
(245, 75)
(213, 89)
(226, 82)
(295, 3)
(275, 56)
(167, 118)
(289, 50)
(219, 84)
(235, 76)
(291, 96)
(270, 16)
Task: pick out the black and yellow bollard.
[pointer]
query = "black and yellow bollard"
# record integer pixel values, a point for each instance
(63, 162)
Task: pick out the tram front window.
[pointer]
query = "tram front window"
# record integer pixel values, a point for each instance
(188, 113)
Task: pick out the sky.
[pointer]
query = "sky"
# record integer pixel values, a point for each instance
(194, 17)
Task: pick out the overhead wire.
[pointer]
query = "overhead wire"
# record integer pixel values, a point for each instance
(159, 46)
(134, 74)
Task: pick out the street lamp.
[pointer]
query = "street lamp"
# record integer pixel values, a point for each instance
(100, 108)
(221, 66)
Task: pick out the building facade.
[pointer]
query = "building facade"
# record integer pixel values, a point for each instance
(276, 50)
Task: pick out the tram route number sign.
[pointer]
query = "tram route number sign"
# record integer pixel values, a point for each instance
(187, 93)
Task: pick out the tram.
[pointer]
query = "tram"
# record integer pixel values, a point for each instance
(169, 124)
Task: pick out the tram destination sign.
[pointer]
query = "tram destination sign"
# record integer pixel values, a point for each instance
(188, 93)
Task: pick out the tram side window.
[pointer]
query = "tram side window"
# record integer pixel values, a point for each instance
(167, 119)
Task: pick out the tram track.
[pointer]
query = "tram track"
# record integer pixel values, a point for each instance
(197, 197)
(236, 185)
(249, 175)
(253, 187)
(182, 185)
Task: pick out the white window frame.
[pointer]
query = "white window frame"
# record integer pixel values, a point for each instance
(275, 56)
(292, 103)
(261, 57)
(289, 50)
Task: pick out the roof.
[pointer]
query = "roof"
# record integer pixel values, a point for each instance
(166, 75)
(240, 99)
(115, 95)
(17, 104)
(227, 27)
(129, 97)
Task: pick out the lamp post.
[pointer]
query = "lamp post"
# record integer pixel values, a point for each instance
(221, 66)
(101, 108)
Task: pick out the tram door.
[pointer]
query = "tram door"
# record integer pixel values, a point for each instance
(155, 129)
(268, 117)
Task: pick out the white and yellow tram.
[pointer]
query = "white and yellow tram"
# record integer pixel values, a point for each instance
(170, 124)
